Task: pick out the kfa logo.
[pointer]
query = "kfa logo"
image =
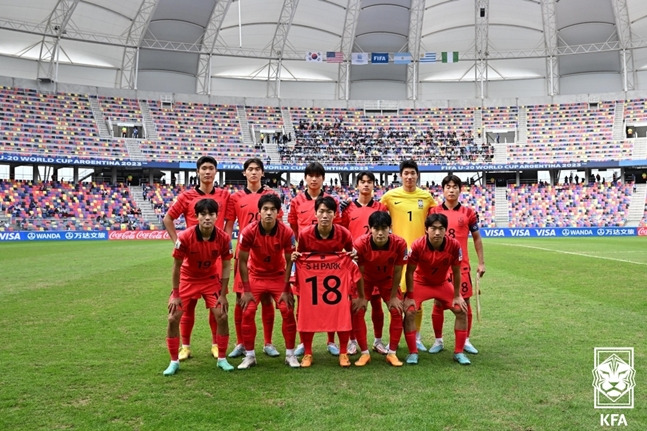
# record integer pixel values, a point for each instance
(613, 378)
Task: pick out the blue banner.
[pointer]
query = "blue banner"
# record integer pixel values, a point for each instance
(332, 167)
(536, 232)
(380, 58)
(54, 235)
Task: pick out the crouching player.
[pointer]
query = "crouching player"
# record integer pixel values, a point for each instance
(265, 258)
(381, 256)
(195, 275)
(429, 262)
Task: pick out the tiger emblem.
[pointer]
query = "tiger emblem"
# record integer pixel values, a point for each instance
(614, 378)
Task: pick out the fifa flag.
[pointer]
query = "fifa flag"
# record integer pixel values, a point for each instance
(450, 57)
(359, 58)
(315, 56)
(380, 58)
(428, 57)
(334, 57)
(402, 58)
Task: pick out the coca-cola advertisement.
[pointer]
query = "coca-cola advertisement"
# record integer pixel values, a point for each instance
(138, 234)
(642, 231)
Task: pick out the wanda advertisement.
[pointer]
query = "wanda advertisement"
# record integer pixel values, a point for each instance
(138, 234)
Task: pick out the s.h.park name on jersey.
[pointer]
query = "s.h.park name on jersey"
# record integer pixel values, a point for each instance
(322, 265)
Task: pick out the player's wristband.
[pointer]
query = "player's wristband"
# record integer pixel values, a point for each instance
(246, 286)
(175, 293)
(288, 287)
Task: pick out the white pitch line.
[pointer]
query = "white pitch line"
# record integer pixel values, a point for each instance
(576, 254)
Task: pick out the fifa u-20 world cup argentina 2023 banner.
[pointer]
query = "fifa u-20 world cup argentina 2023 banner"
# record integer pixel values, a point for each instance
(116, 235)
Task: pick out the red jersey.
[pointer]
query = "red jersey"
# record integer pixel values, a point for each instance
(355, 216)
(266, 249)
(200, 257)
(433, 265)
(461, 220)
(302, 211)
(327, 281)
(243, 206)
(379, 263)
(338, 240)
(185, 203)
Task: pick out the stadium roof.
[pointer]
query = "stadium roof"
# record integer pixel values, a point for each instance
(269, 39)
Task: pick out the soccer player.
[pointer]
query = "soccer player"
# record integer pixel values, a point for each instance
(462, 221)
(195, 274)
(243, 206)
(265, 260)
(381, 256)
(431, 257)
(302, 215)
(355, 215)
(326, 237)
(207, 168)
(408, 206)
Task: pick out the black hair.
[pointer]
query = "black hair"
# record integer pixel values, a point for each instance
(431, 218)
(206, 159)
(328, 201)
(271, 198)
(206, 204)
(379, 219)
(452, 179)
(255, 160)
(370, 175)
(409, 164)
(315, 169)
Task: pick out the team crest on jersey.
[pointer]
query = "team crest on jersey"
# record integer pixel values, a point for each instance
(421, 204)
(461, 221)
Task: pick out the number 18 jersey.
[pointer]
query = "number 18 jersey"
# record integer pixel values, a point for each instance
(325, 283)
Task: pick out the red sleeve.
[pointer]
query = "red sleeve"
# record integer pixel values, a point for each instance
(246, 238)
(178, 207)
(230, 213)
(292, 214)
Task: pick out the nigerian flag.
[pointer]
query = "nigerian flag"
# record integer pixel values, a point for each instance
(450, 57)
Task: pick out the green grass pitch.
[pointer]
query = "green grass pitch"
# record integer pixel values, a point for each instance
(83, 347)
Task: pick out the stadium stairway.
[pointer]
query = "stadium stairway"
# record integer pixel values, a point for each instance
(636, 205)
(246, 135)
(150, 131)
(100, 120)
(501, 211)
(522, 126)
(640, 149)
(148, 213)
(618, 121)
(134, 149)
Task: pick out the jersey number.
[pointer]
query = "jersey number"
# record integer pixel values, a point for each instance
(331, 294)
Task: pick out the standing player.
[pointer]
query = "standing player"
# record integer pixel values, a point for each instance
(462, 221)
(355, 215)
(195, 274)
(408, 206)
(302, 215)
(265, 260)
(325, 237)
(432, 256)
(243, 206)
(381, 256)
(207, 168)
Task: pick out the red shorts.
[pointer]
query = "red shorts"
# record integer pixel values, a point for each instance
(209, 290)
(443, 293)
(271, 286)
(382, 290)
